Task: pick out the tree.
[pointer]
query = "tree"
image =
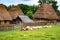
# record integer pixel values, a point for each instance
(23, 7)
(29, 14)
(8, 7)
(58, 13)
(34, 8)
(5, 6)
(26, 8)
(45, 1)
(54, 5)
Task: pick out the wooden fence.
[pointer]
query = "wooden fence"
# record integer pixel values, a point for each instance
(32, 24)
(21, 24)
(7, 27)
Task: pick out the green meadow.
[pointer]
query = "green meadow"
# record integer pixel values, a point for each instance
(36, 34)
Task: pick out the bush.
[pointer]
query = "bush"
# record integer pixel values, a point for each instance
(30, 14)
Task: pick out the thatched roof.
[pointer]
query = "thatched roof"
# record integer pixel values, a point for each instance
(45, 11)
(15, 11)
(4, 13)
(1, 19)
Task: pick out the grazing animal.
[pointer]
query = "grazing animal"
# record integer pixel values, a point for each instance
(34, 27)
(29, 28)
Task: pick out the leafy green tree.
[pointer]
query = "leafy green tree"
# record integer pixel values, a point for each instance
(28, 10)
(29, 14)
(5, 6)
(54, 5)
(23, 7)
(45, 1)
(8, 7)
(58, 13)
(34, 8)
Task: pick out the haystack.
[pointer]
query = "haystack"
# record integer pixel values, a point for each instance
(45, 13)
(5, 17)
(15, 11)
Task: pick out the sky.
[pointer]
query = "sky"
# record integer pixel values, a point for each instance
(28, 2)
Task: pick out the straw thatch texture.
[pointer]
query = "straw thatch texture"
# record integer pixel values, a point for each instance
(4, 13)
(15, 11)
(1, 19)
(46, 11)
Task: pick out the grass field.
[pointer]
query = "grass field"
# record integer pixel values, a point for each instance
(36, 34)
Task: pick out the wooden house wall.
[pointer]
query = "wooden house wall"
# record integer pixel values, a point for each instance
(16, 21)
(45, 20)
(4, 22)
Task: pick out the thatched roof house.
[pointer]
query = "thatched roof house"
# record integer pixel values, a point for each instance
(1, 18)
(15, 11)
(4, 14)
(45, 13)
